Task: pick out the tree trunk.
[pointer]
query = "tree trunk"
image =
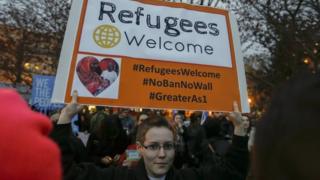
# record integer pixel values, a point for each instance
(20, 59)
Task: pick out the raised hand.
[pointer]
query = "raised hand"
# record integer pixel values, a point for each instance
(70, 109)
(238, 121)
(235, 116)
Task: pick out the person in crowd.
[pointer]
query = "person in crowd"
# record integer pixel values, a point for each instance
(109, 110)
(125, 158)
(156, 145)
(226, 127)
(26, 152)
(286, 143)
(216, 142)
(126, 121)
(78, 148)
(84, 119)
(195, 137)
(181, 140)
(96, 119)
(104, 142)
(141, 117)
(250, 129)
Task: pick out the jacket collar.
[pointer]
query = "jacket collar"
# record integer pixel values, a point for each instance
(141, 172)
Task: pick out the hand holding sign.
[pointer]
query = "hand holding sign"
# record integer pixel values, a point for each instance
(70, 110)
(238, 121)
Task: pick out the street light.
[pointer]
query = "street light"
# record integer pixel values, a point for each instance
(31, 67)
(27, 66)
(306, 60)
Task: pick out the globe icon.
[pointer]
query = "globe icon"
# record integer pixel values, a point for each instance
(106, 36)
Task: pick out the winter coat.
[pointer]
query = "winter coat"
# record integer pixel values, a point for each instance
(233, 166)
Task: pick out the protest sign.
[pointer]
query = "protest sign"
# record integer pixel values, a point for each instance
(42, 87)
(151, 54)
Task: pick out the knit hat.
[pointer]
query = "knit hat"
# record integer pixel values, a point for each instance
(26, 152)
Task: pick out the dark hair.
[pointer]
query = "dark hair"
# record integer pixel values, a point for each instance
(195, 117)
(151, 122)
(212, 127)
(107, 128)
(286, 143)
(100, 108)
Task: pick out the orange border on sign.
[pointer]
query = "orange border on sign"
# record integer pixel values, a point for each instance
(68, 96)
(76, 51)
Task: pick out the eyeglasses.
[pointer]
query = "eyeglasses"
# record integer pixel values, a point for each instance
(157, 146)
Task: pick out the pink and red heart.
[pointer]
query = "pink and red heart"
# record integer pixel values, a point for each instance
(89, 70)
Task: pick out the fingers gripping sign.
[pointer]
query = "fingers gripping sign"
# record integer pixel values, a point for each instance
(70, 109)
(73, 107)
(237, 119)
(235, 116)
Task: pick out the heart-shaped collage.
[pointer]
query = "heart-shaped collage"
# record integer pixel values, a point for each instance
(97, 75)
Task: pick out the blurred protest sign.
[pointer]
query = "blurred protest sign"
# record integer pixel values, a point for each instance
(42, 88)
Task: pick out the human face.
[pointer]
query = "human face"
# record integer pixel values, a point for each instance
(124, 113)
(142, 118)
(178, 119)
(157, 163)
(246, 122)
(218, 114)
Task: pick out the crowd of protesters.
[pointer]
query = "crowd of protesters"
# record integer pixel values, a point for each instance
(104, 137)
(152, 146)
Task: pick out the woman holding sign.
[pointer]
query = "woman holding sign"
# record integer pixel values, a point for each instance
(156, 145)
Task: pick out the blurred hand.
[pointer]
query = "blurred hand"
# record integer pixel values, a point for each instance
(107, 160)
(70, 109)
(238, 121)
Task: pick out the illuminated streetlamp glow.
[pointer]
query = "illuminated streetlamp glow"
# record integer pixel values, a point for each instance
(27, 65)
